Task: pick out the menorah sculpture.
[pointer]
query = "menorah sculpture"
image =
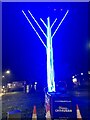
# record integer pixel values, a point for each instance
(49, 48)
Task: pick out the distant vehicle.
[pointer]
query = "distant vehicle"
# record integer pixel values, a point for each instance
(82, 82)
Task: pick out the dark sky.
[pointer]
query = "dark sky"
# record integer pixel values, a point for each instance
(25, 55)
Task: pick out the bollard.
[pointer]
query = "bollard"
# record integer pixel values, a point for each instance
(15, 114)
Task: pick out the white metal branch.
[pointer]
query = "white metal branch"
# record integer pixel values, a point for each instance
(34, 29)
(43, 22)
(37, 23)
(60, 23)
(54, 22)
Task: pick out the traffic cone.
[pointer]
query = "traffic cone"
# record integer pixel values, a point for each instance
(34, 116)
(48, 116)
(79, 117)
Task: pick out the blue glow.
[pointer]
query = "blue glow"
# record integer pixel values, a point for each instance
(43, 22)
(60, 23)
(50, 67)
(25, 55)
(37, 23)
(34, 29)
(54, 22)
(49, 48)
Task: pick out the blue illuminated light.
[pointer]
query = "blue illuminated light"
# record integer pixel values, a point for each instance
(54, 22)
(43, 22)
(49, 48)
(60, 23)
(34, 28)
(54, 9)
(37, 23)
(50, 67)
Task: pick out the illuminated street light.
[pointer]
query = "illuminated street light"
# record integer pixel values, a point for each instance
(3, 86)
(3, 76)
(88, 72)
(72, 76)
(35, 83)
(74, 80)
(8, 71)
(81, 73)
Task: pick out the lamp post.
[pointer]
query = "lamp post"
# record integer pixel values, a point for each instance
(8, 72)
(5, 77)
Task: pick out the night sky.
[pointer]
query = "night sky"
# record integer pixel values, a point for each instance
(24, 54)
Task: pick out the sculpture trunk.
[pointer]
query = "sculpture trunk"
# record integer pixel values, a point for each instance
(50, 67)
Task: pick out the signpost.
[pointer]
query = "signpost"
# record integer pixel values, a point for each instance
(60, 106)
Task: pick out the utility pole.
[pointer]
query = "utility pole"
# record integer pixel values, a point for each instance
(49, 47)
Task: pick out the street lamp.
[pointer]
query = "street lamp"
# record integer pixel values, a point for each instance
(8, 72)
(88, 72)
(81, 73)
(35, 83)
(74, 80)
(73, 76)
(3, 76)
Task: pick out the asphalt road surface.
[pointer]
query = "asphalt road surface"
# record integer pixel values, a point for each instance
(26, 101)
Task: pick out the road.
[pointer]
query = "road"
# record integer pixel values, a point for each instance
(25, 103)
